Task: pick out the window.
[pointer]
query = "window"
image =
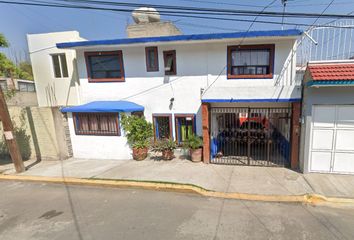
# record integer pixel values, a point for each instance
(60, 66)
(104, 124)
(105, 66)
(26, 87)
(152, 60)
(162, 126)
(185, 126)
(169, 58)
(254, 61)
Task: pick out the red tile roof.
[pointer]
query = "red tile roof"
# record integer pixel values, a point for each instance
(335, 71)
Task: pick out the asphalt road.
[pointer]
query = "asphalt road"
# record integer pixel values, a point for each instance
(49, 211)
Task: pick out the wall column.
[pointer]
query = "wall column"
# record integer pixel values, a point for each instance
(206, 132)
(295, 135)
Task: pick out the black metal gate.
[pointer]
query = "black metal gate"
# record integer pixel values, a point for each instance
(251, 136)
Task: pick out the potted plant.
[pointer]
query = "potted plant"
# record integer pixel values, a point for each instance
(138, 132)
(195, 143)
(166, 147)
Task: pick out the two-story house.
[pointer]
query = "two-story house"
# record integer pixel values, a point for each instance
(237, 90)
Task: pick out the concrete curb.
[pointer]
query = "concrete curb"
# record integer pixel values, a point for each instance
(187, 188)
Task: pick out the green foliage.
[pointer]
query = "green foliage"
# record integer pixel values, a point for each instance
(23, 140)
(193, 142)
(3, 41)
(9, 93)
(25, 71)
(9, 69)
(163, 145)
(137, 130)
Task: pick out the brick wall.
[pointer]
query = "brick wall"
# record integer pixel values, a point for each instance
(40, 132)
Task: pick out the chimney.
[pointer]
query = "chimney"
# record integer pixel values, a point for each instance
(147, 23)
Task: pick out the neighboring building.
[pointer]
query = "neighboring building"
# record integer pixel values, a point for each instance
(237, 90)
(327, 142)
(25, 91)
(54, 70)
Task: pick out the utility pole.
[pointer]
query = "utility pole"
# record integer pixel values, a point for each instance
(283, 2)
(9, 135)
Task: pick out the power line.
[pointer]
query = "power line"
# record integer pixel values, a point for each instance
(165, 14)
(193, 10)
(252, 23)
(324, 10)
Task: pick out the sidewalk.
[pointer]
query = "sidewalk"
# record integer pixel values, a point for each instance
(221, 178)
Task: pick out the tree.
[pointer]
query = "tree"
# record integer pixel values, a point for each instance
(3, 41)
(9, 69)
(26, 70)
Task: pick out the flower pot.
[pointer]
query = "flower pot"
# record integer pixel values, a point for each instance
(140, 153)
(196, 154)
(167, 154)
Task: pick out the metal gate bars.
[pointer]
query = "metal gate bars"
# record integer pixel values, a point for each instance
(250, 136)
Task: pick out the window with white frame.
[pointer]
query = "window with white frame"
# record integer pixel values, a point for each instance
(60, 66)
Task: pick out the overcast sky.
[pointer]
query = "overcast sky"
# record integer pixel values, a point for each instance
(17, 21)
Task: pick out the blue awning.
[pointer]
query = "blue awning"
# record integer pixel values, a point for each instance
(105, 106)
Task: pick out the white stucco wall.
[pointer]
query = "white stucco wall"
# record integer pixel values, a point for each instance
(53, 91)
(98, 147)
(198, 66)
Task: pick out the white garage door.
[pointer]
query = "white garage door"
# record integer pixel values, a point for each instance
(332, 139)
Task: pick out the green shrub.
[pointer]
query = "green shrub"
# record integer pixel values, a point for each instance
(193, 142)
(164, 145)
(137, 130)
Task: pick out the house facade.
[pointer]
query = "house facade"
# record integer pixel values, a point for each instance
(54, 70)
(237, 90)
(327, 138)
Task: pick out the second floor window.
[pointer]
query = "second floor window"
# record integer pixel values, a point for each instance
(253, 61)
(152, 60)
(170, 62)
(60, 66)
(105, 66)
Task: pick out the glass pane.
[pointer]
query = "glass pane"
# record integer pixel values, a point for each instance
(22, 87)
(151, 58)
(163, 127)
(56, 66)
(93, 123)
(31, 88)
(105, 66)
(185, 129)
(236, 58)
(64, 66)
(263, 57)
(169, 64)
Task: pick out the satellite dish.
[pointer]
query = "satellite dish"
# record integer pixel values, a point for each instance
(145, 15)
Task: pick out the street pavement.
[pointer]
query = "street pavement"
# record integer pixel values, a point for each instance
(55, 211)
(221, 178)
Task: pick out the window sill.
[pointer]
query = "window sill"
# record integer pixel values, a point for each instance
(266, 76)
(98, 80)
(97, 134)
